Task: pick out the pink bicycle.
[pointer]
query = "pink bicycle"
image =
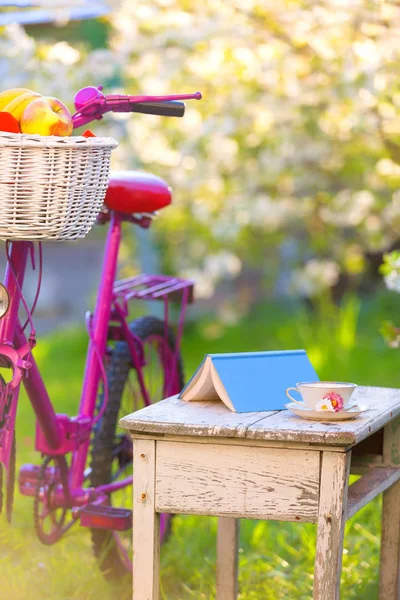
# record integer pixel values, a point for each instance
(86, 471)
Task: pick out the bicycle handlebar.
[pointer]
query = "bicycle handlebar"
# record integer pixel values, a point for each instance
(91, 104)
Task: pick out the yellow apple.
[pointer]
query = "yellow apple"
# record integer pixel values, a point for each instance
(46, 116)
(17, 106)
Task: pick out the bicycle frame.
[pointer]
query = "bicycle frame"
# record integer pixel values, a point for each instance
(59, 435)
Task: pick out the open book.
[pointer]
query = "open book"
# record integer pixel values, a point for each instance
(249, 381)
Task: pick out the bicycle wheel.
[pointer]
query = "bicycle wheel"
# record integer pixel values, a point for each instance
(112, 449)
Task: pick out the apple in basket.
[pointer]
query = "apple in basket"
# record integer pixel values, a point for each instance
(46, 116)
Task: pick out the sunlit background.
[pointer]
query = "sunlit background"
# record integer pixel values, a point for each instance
(287, 171)
(286, 198)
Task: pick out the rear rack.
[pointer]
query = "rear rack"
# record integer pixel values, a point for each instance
(155, 287)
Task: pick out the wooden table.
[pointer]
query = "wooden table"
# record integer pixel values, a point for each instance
(201, 458)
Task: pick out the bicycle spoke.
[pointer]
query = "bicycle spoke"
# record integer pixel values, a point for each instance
(123, 551)
(118, 474)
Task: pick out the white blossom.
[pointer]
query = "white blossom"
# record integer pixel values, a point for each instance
(348, 209)
(63, 52)
(315, 277)
(222, 265)
(392, 281)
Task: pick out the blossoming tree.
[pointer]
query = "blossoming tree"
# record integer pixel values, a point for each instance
(297, 137)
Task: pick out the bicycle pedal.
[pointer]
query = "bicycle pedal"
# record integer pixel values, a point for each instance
(106, 517)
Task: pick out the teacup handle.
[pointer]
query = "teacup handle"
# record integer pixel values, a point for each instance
(291, 397)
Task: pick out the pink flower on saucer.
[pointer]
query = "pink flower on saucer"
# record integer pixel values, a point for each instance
(331, 401)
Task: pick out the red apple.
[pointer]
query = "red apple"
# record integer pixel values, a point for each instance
(46, 116)
(9, 123)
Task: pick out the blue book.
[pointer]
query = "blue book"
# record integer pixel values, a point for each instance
(249, 381)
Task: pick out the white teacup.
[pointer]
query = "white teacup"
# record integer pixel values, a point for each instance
(314, 391)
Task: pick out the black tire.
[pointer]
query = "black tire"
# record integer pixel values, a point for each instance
(108, 435)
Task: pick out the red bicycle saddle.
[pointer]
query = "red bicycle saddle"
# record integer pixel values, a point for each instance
(136, 192)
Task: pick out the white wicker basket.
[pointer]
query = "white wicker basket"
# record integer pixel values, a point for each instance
(51, 188)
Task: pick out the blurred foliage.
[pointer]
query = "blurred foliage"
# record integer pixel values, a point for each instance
(297, 139)
(94, 32)
(391, 334)
(390, 269)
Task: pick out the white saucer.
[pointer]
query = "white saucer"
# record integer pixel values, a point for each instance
(326, 415)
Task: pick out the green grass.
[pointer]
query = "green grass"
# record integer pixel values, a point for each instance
(276, 559)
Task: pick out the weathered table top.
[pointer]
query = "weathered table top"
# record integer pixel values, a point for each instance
(213, 419)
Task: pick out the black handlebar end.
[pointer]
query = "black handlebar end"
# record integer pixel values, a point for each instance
(171, 108)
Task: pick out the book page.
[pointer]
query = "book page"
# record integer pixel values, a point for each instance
(203, 387)
(192, 382)
(219, 386)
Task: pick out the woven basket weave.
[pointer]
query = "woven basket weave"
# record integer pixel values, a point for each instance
(51, 188)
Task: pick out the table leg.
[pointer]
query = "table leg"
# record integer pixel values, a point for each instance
(389, 584)
(389, 577)
(227, 558)
(146, 523)
(331, 521)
